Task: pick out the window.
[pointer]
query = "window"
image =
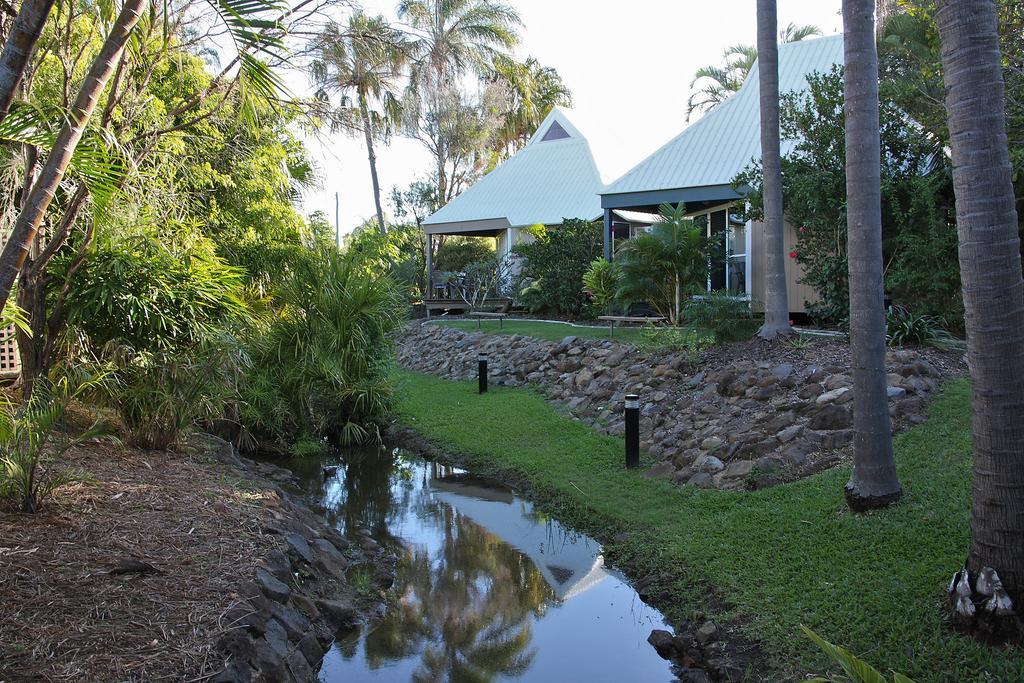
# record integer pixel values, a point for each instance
(555, 132)
(728, 271)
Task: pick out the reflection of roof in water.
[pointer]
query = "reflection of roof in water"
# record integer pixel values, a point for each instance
(570, 563)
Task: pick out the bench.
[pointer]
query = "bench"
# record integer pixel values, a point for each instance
(480, 315)
(628, 319)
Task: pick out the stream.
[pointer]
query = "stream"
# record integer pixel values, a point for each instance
(488, 587)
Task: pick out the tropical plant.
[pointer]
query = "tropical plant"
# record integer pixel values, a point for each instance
(664, 266)
(31, 439)
(776, 309)
(905, 327)
(457, 252)
(993, 287)
(873, 481)
(533, 91)
(855, 668)
(602, 282)
(449, 39)
(555, 261)
(690, 344)
(719, 82)
(728, 317)
(363, 63)
(320, 358)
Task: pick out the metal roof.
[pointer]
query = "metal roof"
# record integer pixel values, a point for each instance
(712, 150)
(545, 182)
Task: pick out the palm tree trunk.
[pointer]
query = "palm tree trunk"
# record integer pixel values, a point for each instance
(21, 41)
(368, 132)
(873, 482)
(776, 310)
(993, 288)
(31, 216)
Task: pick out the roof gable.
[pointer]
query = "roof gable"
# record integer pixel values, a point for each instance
(553, 177)
(713, 149)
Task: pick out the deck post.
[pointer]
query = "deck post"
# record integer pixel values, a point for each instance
(607, 234)
(430, 270)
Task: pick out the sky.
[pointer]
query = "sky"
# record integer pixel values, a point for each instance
(628, 65)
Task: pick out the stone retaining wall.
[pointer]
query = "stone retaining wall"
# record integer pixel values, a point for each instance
(751, 415)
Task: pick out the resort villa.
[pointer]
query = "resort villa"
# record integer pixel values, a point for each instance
(555, 177)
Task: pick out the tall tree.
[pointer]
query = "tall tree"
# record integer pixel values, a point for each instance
(873, 482)
(993, 287)
(364, 64)
(719, 82)
(21, 41)
(533, 91)
(451, 38)
(31, 217)
(776, 308)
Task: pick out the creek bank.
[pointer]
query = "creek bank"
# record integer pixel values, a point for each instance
(299, 599)
(749, 415)
(701, 651)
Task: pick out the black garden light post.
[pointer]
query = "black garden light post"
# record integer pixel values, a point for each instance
(482, 372)
(632, 431)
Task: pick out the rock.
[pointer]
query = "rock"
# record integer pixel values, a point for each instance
(708, 632)
(299, 547)
(271, 587)
(710, 444)
(276, 637)
(895, 392)
(661, 640)
(708, 463)
(840, 395)
(702, 480)
(237, 643)
(836, 381)
(583, 378)
(836, 439)
(738, 469)
(312, 650)
(661, 470)
(269, 662)
(789, 433)
(693, 676)
(278, 565)
(783, 371)
(295, 624)
(809, 391)
(831, 416)
(696, 380)
(300, 668)
(769, 463)
(338, 614)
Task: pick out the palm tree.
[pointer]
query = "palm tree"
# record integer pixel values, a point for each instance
(363, 64)
(21, 40)
(993, 287)
(873, 482)
(451, 37)
(667, 264)
(738, 60)
(533, 91)
(776, 311)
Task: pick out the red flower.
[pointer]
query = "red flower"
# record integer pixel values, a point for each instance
(792, 254)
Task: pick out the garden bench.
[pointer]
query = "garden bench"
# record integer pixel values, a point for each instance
(480, 315)
(628, 319)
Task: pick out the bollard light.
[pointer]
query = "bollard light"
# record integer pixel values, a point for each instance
(482, 372)
(632, 431)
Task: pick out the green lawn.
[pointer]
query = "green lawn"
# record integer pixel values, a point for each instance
(553, 331)
(779, 557)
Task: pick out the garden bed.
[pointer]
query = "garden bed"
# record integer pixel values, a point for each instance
(172, 566)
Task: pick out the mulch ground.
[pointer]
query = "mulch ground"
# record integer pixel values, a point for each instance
(126, 577)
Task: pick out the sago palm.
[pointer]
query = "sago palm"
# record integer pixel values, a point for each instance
(363, 63)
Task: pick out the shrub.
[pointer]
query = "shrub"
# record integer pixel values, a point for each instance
(159, 395)
(903, 327)
(29, 431)
(555, 263)
(666, 265)
(690, 344)
(458, 252)
(602, 282)
(320, 359)
(727, 317)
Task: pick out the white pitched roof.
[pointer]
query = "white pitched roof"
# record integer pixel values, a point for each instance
(712, 150)
(544, 182)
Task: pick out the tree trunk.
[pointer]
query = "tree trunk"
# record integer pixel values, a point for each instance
(993, 288)
(368, 132)
(21, 41)
(32, 214)
(873, 482)
(776, 305)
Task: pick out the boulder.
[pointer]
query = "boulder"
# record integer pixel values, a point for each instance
(661, 470)
(831, 416)
(661, 641)
(711, 444)
(708, 463)
(707, 633)
(838, 395)
(272, 587)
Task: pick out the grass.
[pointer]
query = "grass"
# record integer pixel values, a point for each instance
(552, 331)
(778, 558)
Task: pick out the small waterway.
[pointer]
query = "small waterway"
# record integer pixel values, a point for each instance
(488, 588)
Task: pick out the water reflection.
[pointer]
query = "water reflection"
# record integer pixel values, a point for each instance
(487, 588)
